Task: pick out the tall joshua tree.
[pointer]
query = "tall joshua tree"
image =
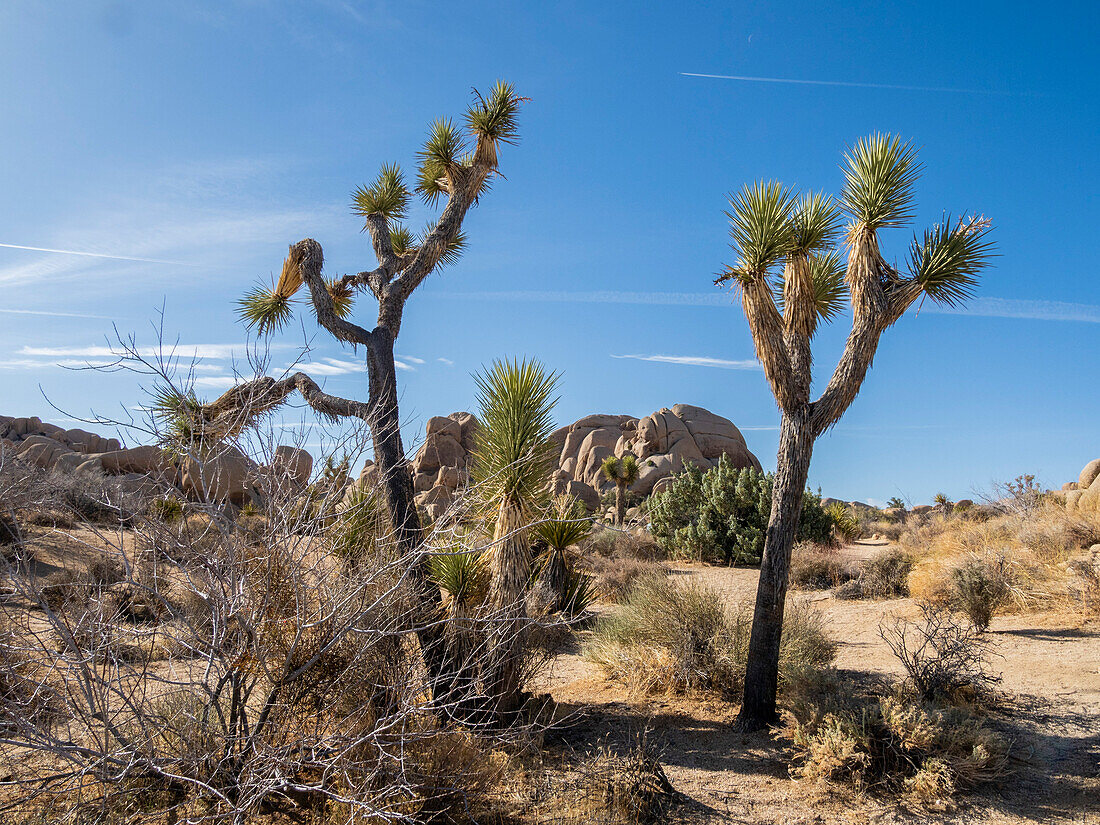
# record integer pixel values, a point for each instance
(455, 165)
(791, 277)
(622, 472)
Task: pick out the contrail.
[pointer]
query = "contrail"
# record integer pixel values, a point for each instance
(844, 83)
(93, 254)
(56, 314)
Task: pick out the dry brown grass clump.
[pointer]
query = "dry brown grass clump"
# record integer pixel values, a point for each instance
(1031, 553)
(923, 752)
(818, 567)
(673, 638)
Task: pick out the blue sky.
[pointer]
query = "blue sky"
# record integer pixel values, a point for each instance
(205, 137)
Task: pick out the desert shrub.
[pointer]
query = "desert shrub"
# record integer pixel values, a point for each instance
(846, 523)
(104, 569)
(979, 586)
(886, 574)
(626, 784)
(919, 750)
(624, 544)
(886, 528)
(815, 567)
(64, 590)
(166, 508)
(9, 530)
(721, 515)
(944, 660)
(1053, 535)
(668, 637)
(615, 576)
(579, 592)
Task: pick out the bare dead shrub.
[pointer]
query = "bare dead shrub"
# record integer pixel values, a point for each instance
(625, 785)
(616, 576)
(945, 660)
(1087, 581)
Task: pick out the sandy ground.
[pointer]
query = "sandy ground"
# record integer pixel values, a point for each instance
(1049, 664)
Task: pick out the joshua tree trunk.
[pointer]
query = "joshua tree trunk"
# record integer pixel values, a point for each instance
(796, 444)
(620, 504)
(509, 566)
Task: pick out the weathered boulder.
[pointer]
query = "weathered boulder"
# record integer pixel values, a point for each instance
(919, 510)
(85, 442)
(1069, 485)
(1089, 474)
(292, 463)
(147, 459)
(440, 450)
(440, 425)
(41, 450)
(224, 476)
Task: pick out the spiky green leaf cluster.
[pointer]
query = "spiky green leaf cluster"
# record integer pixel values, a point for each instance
(179, 416)
(621, 471)
(495, 117)
(760, 227)
(879, 178)
(403, 240)
(514, 455)
(830, 286)
(946, 262)
(342, 297)
(567, 525)
(844, 521)
(386, 196)
(262, 307)
(462, 575)
(816, 221)
(443, 153)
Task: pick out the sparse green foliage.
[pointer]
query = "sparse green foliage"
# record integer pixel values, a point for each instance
(622, 472)
(895, 503)
(760, 225)
(265, 309)
(946, 262)
(721, 515)
(462, 575)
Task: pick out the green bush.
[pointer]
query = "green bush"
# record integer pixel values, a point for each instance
(979, 587)
(721, 515)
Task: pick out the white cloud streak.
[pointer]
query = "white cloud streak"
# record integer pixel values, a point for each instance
(51, 314)
(93, 254)
(1024, 309)
(216, 351)
(446, 361)
(697, 361)
(845, 83)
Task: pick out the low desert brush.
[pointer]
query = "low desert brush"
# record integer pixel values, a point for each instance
(624, 785)
(817, 567)
(668, 637)
(919, 750)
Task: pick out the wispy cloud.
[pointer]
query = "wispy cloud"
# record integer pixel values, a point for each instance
(401, 365)
(697, 361)
(411, 359)
(216, 351)
(332, 366)
(847, 83)
(446, 361)
(221, 382)
(1035, 310)
(51, 314)
(1032, 310)
(93, 254)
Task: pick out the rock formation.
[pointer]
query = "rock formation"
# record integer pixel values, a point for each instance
(663, 442)
(1084, 495)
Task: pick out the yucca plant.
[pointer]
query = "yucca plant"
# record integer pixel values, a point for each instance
(792, 278)
(622, 472)
(512, 460)
(457, 165)
(845, 524)
(565, 525)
